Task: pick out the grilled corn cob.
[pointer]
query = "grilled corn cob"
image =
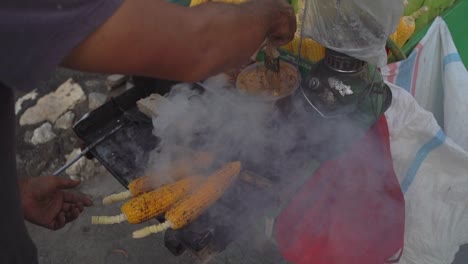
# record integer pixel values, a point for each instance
(192, 206)
(151, 204)
(179, 170)
(199, 2)
(406, 27)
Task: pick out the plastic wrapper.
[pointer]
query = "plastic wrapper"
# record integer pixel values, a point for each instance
(358, 28)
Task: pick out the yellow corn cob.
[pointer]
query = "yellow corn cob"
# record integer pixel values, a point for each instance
(179, 170)
(406, 27)
(199, 2)
(151, 204)
(310, 49)
(192, 206)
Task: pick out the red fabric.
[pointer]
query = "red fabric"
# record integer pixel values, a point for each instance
(350, 212)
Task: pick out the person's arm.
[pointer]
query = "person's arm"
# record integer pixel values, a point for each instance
(163, 40)
(46, 201)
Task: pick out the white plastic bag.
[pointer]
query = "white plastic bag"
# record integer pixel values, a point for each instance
(435, 75)
(433, 173)
(358, 28)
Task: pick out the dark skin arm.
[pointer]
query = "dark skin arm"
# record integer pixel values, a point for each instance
(158, 39)
(47, 202)
(161, 40)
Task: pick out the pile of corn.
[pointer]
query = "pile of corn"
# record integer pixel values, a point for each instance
(435, 8)
(407, 26)
(198, 2)
(181, 168)
(182, 201)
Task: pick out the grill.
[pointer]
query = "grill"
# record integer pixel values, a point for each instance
(125, 154)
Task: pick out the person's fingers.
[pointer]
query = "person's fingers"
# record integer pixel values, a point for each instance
(74, 197)
(67, 206)
(63, 183)
(285, 26)
(80, 206)
(72, 215)
(60, 221)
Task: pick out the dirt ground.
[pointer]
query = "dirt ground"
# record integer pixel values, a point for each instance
(80, 242)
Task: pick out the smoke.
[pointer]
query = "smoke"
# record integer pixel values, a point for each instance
(236, 126)
(275, 143)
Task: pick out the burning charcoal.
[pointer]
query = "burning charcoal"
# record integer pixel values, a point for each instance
(173, 243)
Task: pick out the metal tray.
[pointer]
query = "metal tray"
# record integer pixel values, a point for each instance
(124, 153)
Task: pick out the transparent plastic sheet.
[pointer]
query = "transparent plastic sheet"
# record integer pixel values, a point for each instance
(358, 28)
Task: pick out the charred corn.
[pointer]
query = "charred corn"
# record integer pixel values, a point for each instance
(151, 204)
(199, 2)
(192, 206)
(180, 169)
(406, 27)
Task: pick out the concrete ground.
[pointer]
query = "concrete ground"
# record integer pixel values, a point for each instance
(79, 242)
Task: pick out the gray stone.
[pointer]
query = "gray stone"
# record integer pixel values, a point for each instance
(83, 169)
(65, 121)
(19, 103)
(115, 80)
(43, 134)
(95, 100)
(27, 136)
(74, 170)
(53, 105)
(94, 84)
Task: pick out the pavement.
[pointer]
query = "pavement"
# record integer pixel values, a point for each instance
(80, 242)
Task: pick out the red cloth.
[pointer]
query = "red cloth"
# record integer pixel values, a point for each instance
(350, 212)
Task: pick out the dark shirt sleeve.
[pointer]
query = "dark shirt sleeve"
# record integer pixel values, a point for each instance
(37, 34)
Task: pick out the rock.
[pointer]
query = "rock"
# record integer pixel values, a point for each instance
(74, 170)
(152, 104)
(83, 169)
(27, 136)
(29, 96)
(115, 80)
(53, 105)
(95, 100)
(65, 121)
(43, 134)
(94, 84)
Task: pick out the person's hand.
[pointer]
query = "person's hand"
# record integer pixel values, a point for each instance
(282, 21)
(46, 203)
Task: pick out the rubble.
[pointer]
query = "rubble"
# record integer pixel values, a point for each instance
(65, 121)
(115, 80)
(83, 169)
(53, 105)
(29, 96)
(43, 134)
(95, 100)
(152, 104)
